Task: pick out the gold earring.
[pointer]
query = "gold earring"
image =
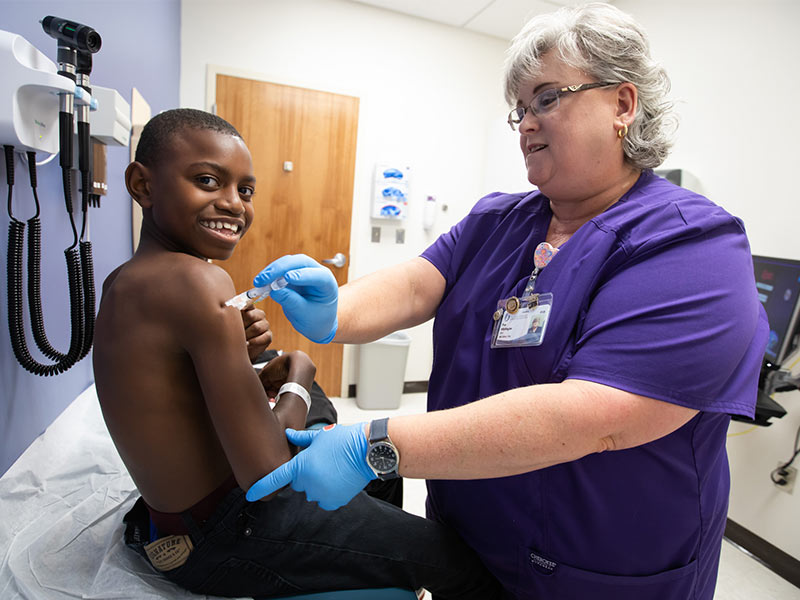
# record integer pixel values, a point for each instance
(621, 133)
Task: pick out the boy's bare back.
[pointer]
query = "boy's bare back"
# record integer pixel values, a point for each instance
(180, 397)
(151, 398)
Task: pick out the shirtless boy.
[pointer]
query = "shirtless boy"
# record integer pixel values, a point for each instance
(190, 416)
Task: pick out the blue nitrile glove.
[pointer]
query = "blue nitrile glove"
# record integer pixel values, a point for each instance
(331, 470)
(310, 299)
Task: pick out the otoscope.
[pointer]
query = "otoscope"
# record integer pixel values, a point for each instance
(71, 37)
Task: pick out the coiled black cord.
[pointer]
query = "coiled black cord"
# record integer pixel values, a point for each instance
(78, 293)
(89, 299)
(34, 272)
(80, 276)
(15, 315)
(35, 291)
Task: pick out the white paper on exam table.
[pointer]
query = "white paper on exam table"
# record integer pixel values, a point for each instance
(62, 504)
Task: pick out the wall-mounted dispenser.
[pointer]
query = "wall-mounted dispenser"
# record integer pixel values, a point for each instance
(390, 192)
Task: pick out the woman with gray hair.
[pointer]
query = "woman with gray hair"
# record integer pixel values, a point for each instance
(591, 339)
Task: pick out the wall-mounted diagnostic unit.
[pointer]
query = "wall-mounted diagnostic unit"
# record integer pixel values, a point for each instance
(52, 109)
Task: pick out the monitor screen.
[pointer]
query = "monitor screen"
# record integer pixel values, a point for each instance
(778, 283)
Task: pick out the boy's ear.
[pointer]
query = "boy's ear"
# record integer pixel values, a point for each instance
(137, 180)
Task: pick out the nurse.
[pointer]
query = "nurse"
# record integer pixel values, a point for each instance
(591, 339)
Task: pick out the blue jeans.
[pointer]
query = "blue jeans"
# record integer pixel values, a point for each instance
(289, 546)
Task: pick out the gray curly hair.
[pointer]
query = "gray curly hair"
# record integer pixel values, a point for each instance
(607, 45)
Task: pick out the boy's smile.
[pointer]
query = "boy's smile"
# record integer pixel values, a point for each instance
(221, 225)
(202, 193)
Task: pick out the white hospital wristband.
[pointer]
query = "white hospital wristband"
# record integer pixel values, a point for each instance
(295, 388)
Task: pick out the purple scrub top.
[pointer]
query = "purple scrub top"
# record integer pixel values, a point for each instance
(655, 296)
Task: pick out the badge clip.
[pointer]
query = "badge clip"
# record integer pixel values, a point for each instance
(521, 322)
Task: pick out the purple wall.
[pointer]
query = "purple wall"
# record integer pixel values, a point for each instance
(141, 49)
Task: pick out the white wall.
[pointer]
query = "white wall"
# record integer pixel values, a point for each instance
(431, 99)
(733, 67)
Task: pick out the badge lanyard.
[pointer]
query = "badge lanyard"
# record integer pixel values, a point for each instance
(523, 321)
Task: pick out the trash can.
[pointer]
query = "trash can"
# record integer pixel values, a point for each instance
(381, 370)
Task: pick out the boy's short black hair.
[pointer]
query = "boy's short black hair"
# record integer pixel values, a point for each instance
(157, 132)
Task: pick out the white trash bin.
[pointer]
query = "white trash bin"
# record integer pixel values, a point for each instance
(381, 371)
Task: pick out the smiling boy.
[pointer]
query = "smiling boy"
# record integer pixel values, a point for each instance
(190, 416)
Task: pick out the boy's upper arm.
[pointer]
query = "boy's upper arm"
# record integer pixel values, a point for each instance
(213, 335)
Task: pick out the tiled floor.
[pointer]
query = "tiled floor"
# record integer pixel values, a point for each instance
(741, 577)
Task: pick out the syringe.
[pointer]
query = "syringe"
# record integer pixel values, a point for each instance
(256, 294)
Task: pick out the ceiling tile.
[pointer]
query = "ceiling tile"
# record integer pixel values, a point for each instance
(504, 18)
(498, 18)
(441, 11)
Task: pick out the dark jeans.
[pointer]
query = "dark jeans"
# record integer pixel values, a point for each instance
(289, 546)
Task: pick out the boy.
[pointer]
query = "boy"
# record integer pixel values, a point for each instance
(190, 418)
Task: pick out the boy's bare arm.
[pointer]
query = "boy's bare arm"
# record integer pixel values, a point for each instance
(213, 335)
(293, 366)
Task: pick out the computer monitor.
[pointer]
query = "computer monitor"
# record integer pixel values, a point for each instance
(778, 283)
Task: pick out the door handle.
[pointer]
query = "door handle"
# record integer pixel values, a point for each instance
(339, 260)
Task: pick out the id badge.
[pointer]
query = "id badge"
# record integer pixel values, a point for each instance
(521, 321)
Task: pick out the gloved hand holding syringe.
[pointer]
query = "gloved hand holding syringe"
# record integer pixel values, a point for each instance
(256, 294)
(307, 292)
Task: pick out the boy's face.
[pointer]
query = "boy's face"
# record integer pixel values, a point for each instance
(202, 192)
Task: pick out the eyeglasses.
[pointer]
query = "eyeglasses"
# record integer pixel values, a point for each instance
(549, 100)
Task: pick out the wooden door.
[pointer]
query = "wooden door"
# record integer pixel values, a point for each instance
(303, 210)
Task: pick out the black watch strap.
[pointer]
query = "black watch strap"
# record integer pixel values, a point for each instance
(379, 430)
(382, 455)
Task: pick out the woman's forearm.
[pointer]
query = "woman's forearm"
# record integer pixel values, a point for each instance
(392, 298)
(529, 428)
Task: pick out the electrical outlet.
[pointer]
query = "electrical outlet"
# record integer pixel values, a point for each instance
(789, 478)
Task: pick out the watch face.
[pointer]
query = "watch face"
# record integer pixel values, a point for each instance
(382, 457)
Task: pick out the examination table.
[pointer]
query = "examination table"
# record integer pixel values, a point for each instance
(61, 509)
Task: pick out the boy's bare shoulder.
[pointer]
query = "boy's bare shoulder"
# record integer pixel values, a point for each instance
(112, 277)
(200, 277)
(172, 279)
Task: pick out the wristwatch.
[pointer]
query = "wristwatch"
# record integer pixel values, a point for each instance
(382, 455)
